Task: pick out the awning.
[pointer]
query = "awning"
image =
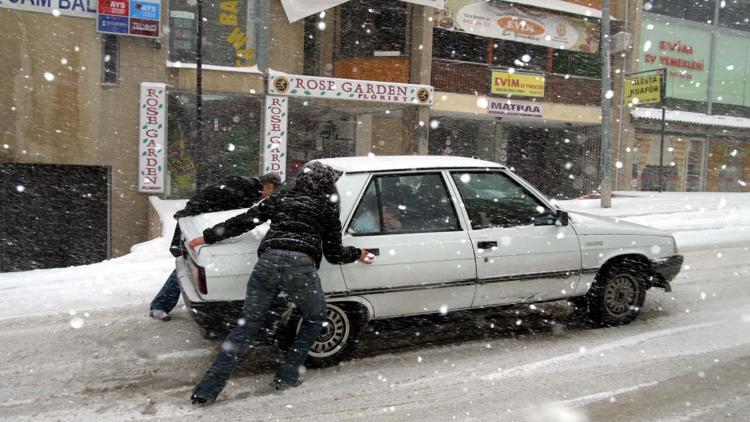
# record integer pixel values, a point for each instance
(560, 6)
(299, 9)
(689, 117)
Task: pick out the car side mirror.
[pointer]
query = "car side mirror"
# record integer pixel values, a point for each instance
(563, 217)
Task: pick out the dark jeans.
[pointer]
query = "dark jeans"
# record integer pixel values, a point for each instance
(168, 296)
(276, 270)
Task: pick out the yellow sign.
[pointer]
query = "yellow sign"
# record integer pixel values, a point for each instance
(518, 84)
(643, 89)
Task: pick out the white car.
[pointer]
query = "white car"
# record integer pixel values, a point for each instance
(450, 234)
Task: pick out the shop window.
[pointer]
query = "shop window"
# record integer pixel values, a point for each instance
(404, 204)
(459, 46)
(694, 10)
(464, 138)
(228, 33)
(367, 29)
(569, 62)
(110, 60)
(519, 55)
(230, 146)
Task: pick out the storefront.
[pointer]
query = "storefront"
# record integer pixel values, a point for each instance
(700, 152)
(310, 117)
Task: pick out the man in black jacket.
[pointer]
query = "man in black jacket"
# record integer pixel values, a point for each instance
(304, 226)
(231, 192)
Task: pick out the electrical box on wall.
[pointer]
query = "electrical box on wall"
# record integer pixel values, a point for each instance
(620, 42)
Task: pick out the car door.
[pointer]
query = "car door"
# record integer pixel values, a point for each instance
(517, 261)
(425, 259)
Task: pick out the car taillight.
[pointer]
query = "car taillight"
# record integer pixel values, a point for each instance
(199, 276)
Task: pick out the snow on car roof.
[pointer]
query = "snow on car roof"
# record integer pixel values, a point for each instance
(403, 162)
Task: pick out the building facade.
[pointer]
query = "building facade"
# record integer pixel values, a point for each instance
(705, 49)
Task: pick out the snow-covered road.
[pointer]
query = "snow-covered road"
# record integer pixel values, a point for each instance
(686, 358)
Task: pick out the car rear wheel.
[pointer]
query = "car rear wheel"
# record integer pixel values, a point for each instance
(617, 296)
(338, 338)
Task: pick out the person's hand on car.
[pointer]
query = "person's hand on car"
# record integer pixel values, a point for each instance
(366, 257)
(196, 242)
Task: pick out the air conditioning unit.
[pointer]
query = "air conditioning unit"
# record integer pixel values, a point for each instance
(620, 42)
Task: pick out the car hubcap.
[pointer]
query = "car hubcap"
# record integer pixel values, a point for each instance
(620, 295)
(335, 333)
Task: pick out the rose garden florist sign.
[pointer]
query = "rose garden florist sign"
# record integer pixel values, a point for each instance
(515, 108)
(152, 149)
(274, 145)
(348, 89)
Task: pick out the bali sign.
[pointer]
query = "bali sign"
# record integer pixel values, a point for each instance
(348, 89)
(515, 108)
(151, 142)
(274, 148)
(77, 8)
(129, 17)
(518, 84)
(501, 20)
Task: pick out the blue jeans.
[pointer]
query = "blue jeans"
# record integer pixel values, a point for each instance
(276, 270)
(168, 296)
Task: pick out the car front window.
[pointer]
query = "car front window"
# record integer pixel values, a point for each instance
(495, 200)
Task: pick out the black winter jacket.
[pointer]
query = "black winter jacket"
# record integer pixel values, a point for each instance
(230, 193)
(298, 223)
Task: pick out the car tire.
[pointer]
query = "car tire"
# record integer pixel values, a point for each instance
(616, 297)
(338, 339)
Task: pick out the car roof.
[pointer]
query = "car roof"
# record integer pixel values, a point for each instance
(403, 162)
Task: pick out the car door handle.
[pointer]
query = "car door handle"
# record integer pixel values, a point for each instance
(487, 244)
(374, 251)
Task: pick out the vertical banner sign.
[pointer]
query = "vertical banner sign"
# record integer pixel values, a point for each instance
(274, 145)
(151, 142)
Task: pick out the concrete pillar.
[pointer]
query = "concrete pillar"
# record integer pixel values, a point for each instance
(623, 139)
(420, 73)
(363, 138)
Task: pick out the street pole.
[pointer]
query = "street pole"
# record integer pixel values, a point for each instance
(200, 176)
(605, 157)
(663, 122)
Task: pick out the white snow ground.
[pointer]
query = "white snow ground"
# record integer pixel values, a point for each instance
(76, 345)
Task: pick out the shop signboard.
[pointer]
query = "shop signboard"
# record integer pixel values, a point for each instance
(348, 89)
(643, 89)
(732, 69)
(684, 50)
(129, 17)
(506, 21)
(517, 84)
(298, 9)
(75, 8)
(274, 145)
(515, 108)
(151, 139)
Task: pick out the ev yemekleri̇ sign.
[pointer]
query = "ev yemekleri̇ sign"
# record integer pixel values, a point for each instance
(129, 17)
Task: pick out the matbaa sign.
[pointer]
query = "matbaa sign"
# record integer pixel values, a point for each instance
(151, 142)
(515, 108)
(274, 145)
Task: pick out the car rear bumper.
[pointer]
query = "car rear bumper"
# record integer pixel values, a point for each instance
(219, 317)
(667, 269)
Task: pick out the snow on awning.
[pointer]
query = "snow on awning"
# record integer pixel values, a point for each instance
(299, 9)
(691, 117)
(561, 6)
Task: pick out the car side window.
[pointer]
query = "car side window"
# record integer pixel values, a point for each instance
(412, 203)
(495, 200)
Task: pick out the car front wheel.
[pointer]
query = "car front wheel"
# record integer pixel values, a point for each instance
(617, 296)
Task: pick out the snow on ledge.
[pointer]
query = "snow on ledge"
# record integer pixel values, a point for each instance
(691, 117)
(180, 65)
